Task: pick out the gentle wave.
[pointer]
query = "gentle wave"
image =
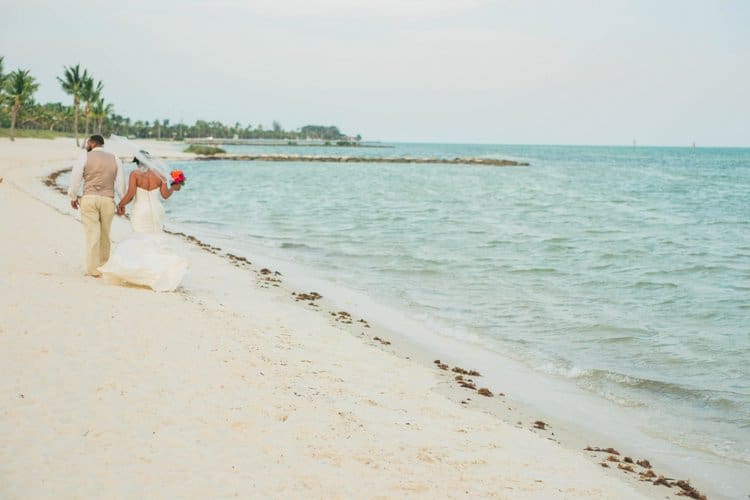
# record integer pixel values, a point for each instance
(655, 284)
(538, 270)
(288, 245)
(725, 400)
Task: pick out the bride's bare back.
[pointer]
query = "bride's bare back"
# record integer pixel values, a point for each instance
(147, 180)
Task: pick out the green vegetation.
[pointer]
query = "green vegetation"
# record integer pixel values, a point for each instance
(33, 133)
(99, 116)
(204, 150)
(321, 132)
(19, 87)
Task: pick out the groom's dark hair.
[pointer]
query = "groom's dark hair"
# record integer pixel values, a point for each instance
(97, 139)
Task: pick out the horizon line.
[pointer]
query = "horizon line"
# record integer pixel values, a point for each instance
(603, 145)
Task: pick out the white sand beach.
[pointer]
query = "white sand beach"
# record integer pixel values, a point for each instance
(227, 388)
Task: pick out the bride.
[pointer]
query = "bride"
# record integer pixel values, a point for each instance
(142, 258)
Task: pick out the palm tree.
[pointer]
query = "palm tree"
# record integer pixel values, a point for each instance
(117, 122)
(101, 110)
(2, 76)
(20, 86)
(72, 84)
(90, 94)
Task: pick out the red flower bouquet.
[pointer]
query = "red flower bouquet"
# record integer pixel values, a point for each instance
(177, 177)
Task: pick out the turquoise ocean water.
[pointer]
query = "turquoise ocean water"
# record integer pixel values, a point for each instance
(625, 271)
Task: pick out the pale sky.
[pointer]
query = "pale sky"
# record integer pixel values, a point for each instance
(504, 71)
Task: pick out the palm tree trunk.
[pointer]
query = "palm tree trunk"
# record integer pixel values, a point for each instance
(75, 121)
(13, 115)
(99, 128)
(88, 115)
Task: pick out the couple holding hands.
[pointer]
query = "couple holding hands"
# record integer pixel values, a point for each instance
(141, 258)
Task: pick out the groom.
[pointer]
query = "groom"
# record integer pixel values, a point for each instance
(102, 176)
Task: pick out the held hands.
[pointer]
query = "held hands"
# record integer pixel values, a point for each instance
(120, 210)
(74, 204)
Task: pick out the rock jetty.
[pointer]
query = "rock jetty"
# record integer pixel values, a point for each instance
(490, 162)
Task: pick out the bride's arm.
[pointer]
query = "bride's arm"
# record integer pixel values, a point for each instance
(129, 195)
(167, 191)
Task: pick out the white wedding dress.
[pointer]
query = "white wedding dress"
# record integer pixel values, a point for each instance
(142, 258)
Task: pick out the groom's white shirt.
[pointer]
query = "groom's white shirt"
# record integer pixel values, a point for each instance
(76, 176)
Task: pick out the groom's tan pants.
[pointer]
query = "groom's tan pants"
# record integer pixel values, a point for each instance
(97, 213)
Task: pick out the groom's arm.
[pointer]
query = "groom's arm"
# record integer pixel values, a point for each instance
(76, 178)
(129, 195)
(119, 179)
